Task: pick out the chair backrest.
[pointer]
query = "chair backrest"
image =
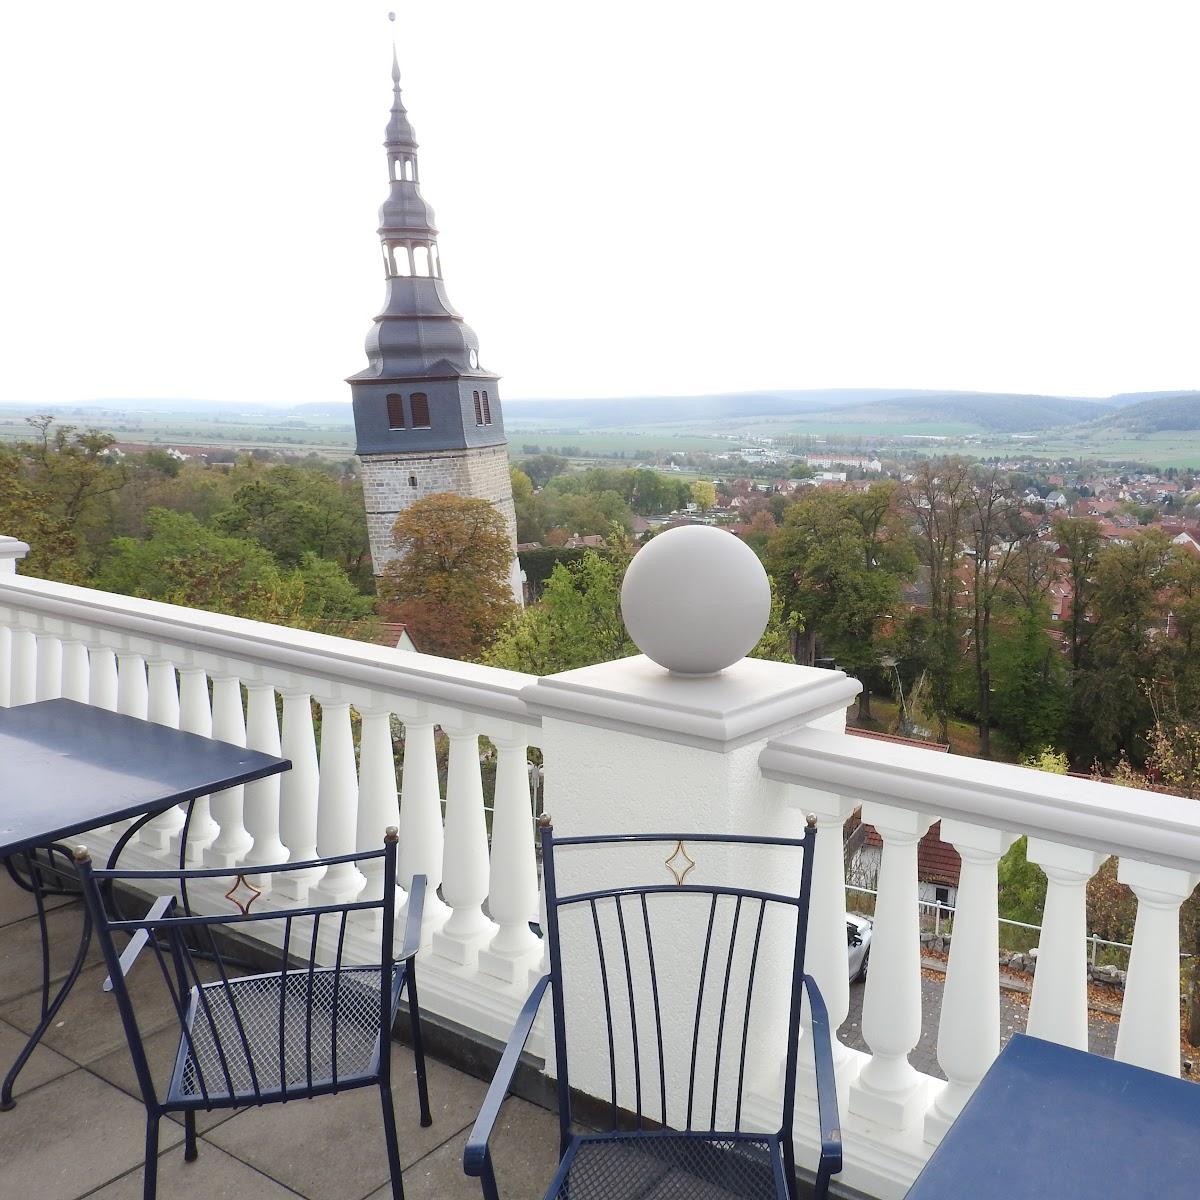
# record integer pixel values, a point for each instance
(663, 980)
(270, 1001)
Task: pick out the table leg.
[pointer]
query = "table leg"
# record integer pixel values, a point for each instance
(35, 883)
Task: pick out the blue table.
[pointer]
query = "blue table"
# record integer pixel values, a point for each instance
(66, 768)
(1049, 1121)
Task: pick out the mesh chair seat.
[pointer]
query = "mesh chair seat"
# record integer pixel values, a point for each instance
(671, 1166)
(279, 1033)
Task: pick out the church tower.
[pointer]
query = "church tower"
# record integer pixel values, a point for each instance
(426, 414)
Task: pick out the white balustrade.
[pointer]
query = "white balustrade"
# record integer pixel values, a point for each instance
(260, 804)
(298, 792)
(512, 889)
(969, 1030)
(337, 804)
(49, 667)
(1149, 1032)
(421, 833)
(232, 842)
(619, 742)
(888, 1090)
(465, 867)
(1058, 1008)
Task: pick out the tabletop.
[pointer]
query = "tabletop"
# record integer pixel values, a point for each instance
(67, 767)
(1047, 1120)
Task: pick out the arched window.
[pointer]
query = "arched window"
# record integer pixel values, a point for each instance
(395, 411)
(408, 169)
(478, 409)
(401, 262)
(421, 255)
(487, 410)
(420, 410)
(412, 481)
(437, 261)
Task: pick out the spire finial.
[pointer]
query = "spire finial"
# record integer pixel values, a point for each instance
(395, 56)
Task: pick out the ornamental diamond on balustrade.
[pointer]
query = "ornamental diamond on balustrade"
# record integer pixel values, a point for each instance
(762, 744)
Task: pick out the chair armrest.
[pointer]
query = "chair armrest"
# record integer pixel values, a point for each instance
(827, 1101)
(412, 922)
(158, 909)
(476, 1157)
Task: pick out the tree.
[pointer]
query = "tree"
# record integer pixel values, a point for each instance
(838, 563)
(936, 500)
(704, 494)
(451, 579)
(1079, 540)
(576, 623)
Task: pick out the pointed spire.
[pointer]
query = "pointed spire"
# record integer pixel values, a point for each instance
(399, 129)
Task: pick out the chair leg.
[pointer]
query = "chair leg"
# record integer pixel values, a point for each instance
(389, 1132)
(414, 1017)
(190, 1150)
(150, 1173)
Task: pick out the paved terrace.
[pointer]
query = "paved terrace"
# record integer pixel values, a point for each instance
(79, 1125)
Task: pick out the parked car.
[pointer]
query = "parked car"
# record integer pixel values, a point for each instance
(858, 944)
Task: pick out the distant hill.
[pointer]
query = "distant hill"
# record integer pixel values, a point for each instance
(1161, 413)
(990, 411)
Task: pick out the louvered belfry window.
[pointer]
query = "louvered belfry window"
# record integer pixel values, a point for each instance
(395, 411)
(420, 410)
(487, 410)
(478, 409)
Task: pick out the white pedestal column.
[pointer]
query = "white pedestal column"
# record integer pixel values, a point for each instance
(229, 725)
(163, 709)
(888, 1090)
(298, 794)
(1149, 1032)
(260, 802)
(49, 667)
(195, 716)
(969, 1033)
(421, 834)
(337, 805)
(1058, 1010)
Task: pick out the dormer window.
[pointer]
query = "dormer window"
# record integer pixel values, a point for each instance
(420, 410)
(395, 411)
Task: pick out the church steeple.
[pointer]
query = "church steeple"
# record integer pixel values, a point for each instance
(423, 397)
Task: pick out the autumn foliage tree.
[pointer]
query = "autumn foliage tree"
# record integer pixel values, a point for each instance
(450, 583)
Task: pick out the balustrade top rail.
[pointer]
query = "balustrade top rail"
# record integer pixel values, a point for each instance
(1147, 826)
(149, 626)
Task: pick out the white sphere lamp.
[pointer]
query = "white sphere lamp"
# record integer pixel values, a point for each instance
(695, 600)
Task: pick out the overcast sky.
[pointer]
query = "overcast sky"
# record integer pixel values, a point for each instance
(634, 196)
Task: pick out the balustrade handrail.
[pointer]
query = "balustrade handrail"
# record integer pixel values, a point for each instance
(471, 687)
(1149, 827)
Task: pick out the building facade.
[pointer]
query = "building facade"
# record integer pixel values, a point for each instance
(427, 415)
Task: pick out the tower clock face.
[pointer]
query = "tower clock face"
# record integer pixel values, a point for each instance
(474, 359)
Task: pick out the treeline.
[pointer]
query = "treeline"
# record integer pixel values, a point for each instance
(282, 542)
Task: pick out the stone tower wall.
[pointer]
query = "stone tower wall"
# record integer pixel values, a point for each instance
(388, 490)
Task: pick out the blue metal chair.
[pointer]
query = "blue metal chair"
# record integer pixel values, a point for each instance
(291, 1030)
(682, 1152)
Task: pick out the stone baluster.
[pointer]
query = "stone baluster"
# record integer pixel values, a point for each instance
(102, 678)
(228, 725)
(23, 681)
(465, 864)
(1149, 1031)
(133, 694)
(195, 716)
(76, 681)
(49, 667)
(513, 889)
(337, 804)
(5, 666)
(378, 806)
(825, 954)
(888, 1090)
(969, 1033)
(261, 800)
(421, 834)
(1058, 1009)
(298, 792)
(163, 708)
